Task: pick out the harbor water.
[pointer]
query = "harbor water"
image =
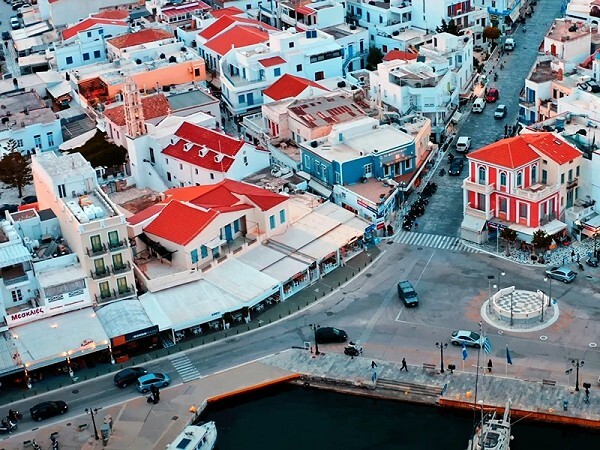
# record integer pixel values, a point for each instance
(296, 418)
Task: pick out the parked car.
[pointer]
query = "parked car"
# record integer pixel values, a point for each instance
(128, 376)
(158, 380)
(463, 144)
(500, 112)
(561, 273)
(5, 35)
(479, 105)
(15, 23)
(407, 294)
(469, 338)
(325, 335)
(6, 207)
(592, 261)
(492, 95)
(28, 199)
(456, 166)
(16, 6)
(46, 410)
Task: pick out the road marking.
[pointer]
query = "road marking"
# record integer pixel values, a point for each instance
(432, 241)
(397, 319)
(185, 368)
(425, 268)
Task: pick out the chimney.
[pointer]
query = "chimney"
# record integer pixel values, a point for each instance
(559, 75)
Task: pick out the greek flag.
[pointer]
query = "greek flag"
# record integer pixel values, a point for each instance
(487, 346)
(464, 352)
(508, 358)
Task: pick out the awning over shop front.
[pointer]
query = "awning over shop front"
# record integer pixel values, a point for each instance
(48, 341)
(13, 254)
(318, 187)
(123, 318)
(274, 263)
(472, 223)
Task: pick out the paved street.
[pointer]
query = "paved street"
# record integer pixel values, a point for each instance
(9, 51)
(443, 215)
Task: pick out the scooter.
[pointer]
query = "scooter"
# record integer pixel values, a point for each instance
(35, 445)
(352, 349)
(54, 442)
(7, 426)
(14, 415)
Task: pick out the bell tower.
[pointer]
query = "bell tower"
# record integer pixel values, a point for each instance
(134, 112)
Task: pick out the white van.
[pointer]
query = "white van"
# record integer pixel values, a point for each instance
(509, 44)
(463, 144)
(479, 105)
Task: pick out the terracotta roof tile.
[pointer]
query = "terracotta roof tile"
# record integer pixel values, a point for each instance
(140, 37)
(90, 23)
(289, 86)
(229, 11)
(510, 153)
(236, 36)
(397, 54)
(153, 105)
(146, 214)
(214, 140)
(113, 14)
(552, 146)
(180, 222)
(272, 61)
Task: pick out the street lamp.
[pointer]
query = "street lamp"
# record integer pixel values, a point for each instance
(490, 278)
(595, 251)
(93, 412)
(315, 327)
(543, 302)
(549, 280)
(577, 364)
(441, 346)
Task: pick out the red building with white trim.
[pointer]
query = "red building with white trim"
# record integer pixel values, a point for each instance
(524, 183)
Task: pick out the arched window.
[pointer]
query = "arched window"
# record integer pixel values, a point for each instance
(503, 179)
(520, 179)
(534, 175)
(482, 175)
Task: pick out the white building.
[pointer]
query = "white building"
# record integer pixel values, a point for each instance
(140, 44)
(63, 12)
(87, 47)
(503, 13)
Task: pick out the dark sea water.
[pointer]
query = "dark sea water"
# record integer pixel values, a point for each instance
(295, 418)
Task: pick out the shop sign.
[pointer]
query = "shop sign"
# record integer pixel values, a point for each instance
(150, 331)
(25, 316)
(364, 205)
(496, 225)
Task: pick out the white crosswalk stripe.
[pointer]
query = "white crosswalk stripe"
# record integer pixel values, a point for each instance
(433, 241)
(185, 368)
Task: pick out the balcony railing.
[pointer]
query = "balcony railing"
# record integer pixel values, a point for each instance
(98, 274)
(121, 268)
(479, 213)
(16, 280)
(95, 251)
(114, 294)
(113, 246)
(538, 193)
(477, 187)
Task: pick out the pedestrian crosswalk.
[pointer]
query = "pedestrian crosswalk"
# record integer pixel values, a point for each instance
(185, 368)
(433, 241)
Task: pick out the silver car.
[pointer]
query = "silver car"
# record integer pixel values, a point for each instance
(561, 273)
(469, 338)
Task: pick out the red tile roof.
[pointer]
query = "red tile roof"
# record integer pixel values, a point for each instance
(552, 146)
(221, 149)
(90, 23)
(306, 10)
(153, 105)
(272, 61)
(180, 222)
(236, 36)
(510, 153)
(140, 37)
(185, 8)
(227, 20)
(113, 14)
(229, 11)
(398, 54)
(146, 214)
(289, 86)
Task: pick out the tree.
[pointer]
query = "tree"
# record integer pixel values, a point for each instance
(374, 58)
(448, 27)
(510, 236)
(15, 171)
(541, 239)
(492, 33)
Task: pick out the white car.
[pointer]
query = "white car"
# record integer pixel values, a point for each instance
(469, 338)
(500, 112)
(463, 144)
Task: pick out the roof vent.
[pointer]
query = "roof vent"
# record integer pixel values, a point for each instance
(203, 151)
(188, 146)
(219, 158)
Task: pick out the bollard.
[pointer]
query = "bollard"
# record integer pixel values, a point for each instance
(359, 269)
(565, 405)
(370, 259)
(298, 307)
(168, 352)
(365, 264)
(339, 284)
(214, 338)
(280, 316)
(191, 345)
(289, 312)
(346, 278)
(307, 302)
(323, 294)
(248, 327)
(269, 320)
(315, 298)
(202, 341)
(237, 331)
(331, 287)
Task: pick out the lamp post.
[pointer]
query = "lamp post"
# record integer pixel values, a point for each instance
(511, 309)
(315, 327)
(441, 346)
(595, 251)
(93, 412)
(402, 187)
(549, 280)
(577, 364)
(490, 278)
(543, 302)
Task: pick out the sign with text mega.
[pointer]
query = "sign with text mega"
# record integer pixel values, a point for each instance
(27, 315)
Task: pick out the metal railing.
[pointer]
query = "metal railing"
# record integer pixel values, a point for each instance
(121, 268)
(95, 251)
(117, 245)
(16, 280)
(98, 274)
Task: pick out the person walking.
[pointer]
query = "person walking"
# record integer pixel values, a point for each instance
(572, 255)
(416, 224)
(489, 366)
(155, 394)
(404, 366)
(373, 364)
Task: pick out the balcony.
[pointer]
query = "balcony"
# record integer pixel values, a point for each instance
(476, 187)
(121, 268)
(99, 274)
(16, 280)
(95, 251)
(119, 245)
(115, 295)
(537, 192)
(479, 213)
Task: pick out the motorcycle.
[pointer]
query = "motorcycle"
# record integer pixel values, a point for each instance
(7, 426)
(14, 415)
(35, 445)
(352, 349)
(54, 442)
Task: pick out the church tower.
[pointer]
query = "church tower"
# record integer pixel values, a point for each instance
(134, 112)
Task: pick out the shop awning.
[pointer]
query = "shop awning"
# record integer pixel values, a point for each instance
(124, 317)
(14, 254)
(473, 223)
(554, 227)
(318, 187)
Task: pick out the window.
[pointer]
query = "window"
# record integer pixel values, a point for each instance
(100, 31)
(37, 139)
(20, 143)
(104, 289)
(544, 177)
(86, 56)
(277, 71)
(117, 260)
(203, 251)
(368, 16)
(196, 71)
(570, 175)
(194, 256)
(99, 266)
(533, 174)
(196, 171)
(368, 169)
(380, 19)
(96, 54)
(236, 225)
(298, 67)
(482, 175)
(122, 285)
(62, 193)
(151, 155)
(282, 216)
(503, 179)
(180, 166)
(519, 179)
(502, 205)
(16, 295)
(562, 178)
(212, 176)
(291, 45)
(241, 98)
(577, 171)
(245, 160)
(69, 60)
(113, 239)
(523, 210)
(384, 48)
(89, 34)
(169, 176)
(320, 75)
(96, 242)
(50, 137)
(272, 222)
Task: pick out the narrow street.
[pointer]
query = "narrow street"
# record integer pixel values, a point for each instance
(444, 213)
(10, 64)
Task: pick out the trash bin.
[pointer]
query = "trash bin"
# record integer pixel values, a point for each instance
(105, 430)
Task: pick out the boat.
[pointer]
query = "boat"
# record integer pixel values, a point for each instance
(196, 437)
(492, 433)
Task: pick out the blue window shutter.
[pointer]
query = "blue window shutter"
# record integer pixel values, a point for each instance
(194, 255)
(203, 252)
